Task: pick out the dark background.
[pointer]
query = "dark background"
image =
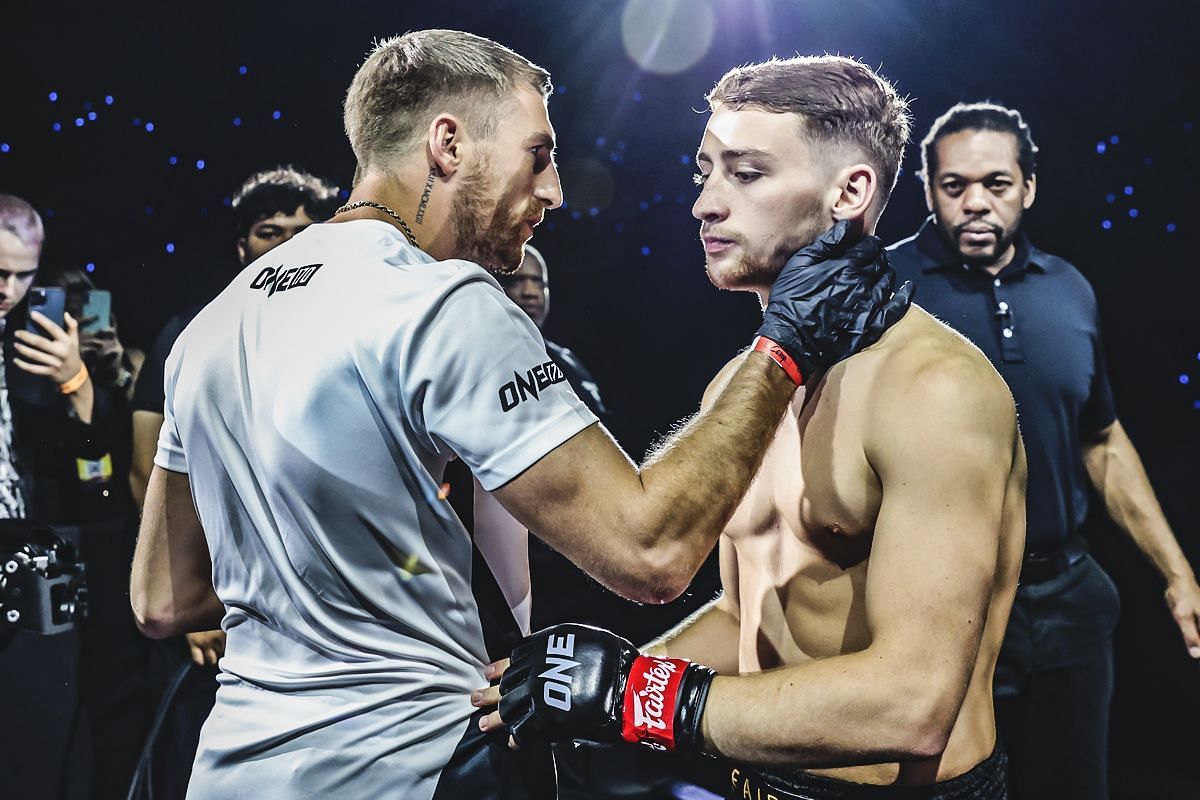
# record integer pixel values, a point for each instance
(1106, 87)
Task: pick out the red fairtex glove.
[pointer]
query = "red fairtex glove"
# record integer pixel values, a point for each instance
(578, 682)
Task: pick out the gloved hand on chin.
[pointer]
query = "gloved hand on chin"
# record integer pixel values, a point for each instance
(576, 682)
(831, 300)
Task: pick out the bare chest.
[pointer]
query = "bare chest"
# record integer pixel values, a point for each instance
(802, 537)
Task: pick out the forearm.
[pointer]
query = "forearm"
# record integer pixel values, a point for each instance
(1119, 477)
(170, 585)
(843, 711)
(691, 486)
(83, 401)
(709, 637)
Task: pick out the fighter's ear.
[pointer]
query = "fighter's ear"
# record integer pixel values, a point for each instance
(854, 193)
(445, 143)
(241, 248)
(1030, 192)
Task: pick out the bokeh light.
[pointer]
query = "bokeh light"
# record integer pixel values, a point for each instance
(667, 36)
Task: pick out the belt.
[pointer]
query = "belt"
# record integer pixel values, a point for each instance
(1039, 567)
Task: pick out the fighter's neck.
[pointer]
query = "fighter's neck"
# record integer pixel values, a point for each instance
(422, 201)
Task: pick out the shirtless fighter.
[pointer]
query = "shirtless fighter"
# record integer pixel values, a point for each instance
(869, 571)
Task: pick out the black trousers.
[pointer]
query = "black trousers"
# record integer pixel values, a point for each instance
(1054, 683)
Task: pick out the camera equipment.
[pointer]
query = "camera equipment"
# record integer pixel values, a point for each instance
(42, 582)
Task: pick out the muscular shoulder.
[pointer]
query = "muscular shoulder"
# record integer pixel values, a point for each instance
(931, 379)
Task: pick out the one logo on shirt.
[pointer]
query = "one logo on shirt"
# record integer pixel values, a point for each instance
(278, 279)
(530, 384)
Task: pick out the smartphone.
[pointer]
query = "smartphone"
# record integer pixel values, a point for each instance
(50, 301)
(98, 309)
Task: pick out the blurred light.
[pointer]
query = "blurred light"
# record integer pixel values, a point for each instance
(643, 205)
(637, 97)
(1148, 161)
(108, 99)
(87, 105)
(1171, 229)
(170, 247)
(344, 193)
(658, 197)
(1100, 147)
(173, 160)
(1196, 404)
(667, 36)
(79, 122)
(562, 89)
(599, 141)
(200, 163)
(1114, 139)
(1110, 198)
(588, 183)
(242, 70)
(1106, 224)
(685, 159)
(620, 145)
(1128, 191)
(56, 127)
(54, 97)
(4, 148)
(137, 122)
(645, 251)
(276, 114)
(149, 127)
(90, 267)
(1133, 212)
(92, 116)
(576, 214)
(1188, 127)
(237, 122)
(149, 210)
(593, 211)
(1184, 379)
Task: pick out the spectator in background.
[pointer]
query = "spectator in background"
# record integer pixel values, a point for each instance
(269, 209)
(62, 419)
(1034, 316)
(114, 657)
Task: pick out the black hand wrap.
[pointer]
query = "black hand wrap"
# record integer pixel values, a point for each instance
(832, 300)
(572, 682)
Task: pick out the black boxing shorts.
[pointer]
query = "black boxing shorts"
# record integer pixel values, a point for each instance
(987, 780)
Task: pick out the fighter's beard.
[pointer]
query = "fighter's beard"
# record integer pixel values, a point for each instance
(752, 271)
(493, 242)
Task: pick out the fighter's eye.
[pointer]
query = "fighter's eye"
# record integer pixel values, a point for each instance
(747, 177)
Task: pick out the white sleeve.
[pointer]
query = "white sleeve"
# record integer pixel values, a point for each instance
(476, 380)
(170, 446)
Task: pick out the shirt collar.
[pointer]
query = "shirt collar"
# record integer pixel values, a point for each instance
(936, 254)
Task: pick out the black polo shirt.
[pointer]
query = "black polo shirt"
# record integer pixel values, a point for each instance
(1036, 322)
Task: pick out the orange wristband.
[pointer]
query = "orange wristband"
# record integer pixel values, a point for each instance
(773, 351)
(72, 386)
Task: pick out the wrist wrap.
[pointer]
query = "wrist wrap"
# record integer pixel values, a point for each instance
(664, 700)
(776, 353)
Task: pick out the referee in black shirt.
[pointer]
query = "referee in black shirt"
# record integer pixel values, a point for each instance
(1034, 316)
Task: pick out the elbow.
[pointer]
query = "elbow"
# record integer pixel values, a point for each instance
(154, 620)
(927, 720)
(659, 574)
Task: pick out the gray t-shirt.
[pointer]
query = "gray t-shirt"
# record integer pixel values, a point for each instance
(314, 404)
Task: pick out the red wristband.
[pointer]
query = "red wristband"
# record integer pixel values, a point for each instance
(651, 693)
(773, 351)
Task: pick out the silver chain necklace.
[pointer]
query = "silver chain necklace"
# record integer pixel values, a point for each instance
(407, 231)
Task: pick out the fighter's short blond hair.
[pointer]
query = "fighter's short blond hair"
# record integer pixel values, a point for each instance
(407, 79)
(20, 219)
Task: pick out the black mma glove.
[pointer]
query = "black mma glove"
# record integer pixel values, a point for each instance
(572, 681)
(830, 301)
